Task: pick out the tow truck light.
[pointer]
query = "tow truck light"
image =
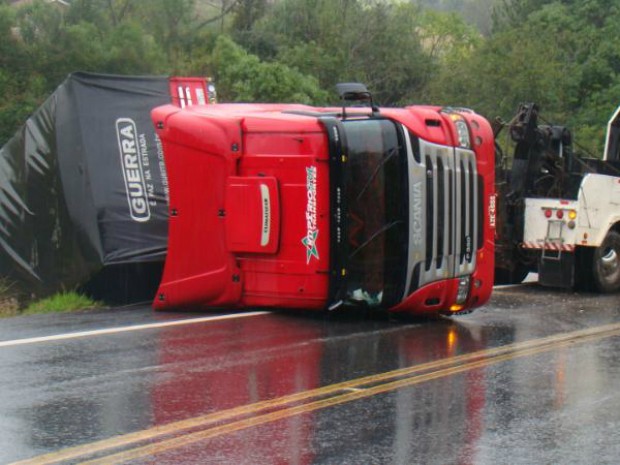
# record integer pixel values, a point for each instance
(559, 214)
(548, 213)
(572, 214)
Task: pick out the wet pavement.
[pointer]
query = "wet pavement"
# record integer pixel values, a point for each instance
(531, 378)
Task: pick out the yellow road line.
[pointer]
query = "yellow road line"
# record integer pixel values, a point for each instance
(364, 387)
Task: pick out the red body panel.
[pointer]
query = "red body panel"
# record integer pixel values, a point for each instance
(250, 206)
(289, 278)
(214, 164)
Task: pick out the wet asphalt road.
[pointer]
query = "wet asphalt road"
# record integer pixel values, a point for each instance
(532, 378)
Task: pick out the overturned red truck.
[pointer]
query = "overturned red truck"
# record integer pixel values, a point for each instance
(280, 205)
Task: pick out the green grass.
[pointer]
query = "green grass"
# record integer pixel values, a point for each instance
(14, 302)
(60, 303)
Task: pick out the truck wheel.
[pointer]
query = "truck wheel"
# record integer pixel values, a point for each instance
(606, 264)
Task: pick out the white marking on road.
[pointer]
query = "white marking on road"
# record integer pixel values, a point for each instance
(125, 329)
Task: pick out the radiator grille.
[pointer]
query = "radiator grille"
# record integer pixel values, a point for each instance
(451, 215)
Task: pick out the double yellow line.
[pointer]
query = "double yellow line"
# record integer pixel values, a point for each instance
(169, 437)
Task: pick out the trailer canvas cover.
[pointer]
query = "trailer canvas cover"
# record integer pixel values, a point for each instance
(83, 183)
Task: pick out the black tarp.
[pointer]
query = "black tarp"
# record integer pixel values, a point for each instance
(83, 186)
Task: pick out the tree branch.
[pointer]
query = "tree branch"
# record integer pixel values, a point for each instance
(218, 17)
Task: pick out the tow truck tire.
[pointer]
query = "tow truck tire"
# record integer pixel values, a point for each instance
(606, 264)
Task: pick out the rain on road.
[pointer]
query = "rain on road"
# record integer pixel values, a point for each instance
(531, 378)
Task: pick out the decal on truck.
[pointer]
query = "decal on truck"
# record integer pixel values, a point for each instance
(266, 217)
(492, 210)
(133, 173)
(416, 205)
(312, 232)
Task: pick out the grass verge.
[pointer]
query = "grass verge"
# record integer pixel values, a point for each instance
(14, 303)
(61, 303)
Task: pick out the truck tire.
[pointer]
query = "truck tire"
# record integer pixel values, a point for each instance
(606, 264)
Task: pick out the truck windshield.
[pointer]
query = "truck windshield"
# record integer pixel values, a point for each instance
(377, 218)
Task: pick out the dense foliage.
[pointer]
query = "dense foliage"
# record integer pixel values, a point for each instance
(486, 54)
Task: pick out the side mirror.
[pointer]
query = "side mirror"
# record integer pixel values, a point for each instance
(355, 92)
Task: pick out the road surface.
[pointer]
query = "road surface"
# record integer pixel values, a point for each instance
(533, 377)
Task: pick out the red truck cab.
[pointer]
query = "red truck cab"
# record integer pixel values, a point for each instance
(291, 206)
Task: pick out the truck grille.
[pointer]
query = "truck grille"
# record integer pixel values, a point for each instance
(449, 239)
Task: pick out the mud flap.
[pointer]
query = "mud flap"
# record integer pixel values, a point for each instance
(557, 271)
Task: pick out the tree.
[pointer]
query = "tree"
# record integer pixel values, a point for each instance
(242, 77)
(376, 42)
(20, 88)
(478, 13)
(43, 43)
(246, 13)
(559, 54)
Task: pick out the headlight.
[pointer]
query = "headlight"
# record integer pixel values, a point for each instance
(463, 291)
(463, 133)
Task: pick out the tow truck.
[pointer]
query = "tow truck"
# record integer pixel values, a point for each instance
(558, 212)
(284, 205)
